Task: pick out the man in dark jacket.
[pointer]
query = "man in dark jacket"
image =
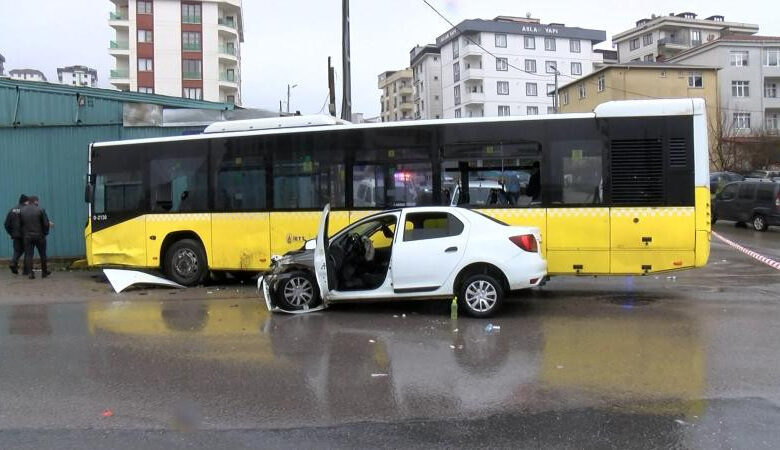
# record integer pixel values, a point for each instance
(13, 226)
(35, 227)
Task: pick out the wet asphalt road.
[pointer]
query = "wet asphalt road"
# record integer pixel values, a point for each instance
(686, 360)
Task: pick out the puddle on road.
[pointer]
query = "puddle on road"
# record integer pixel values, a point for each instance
(633, 299)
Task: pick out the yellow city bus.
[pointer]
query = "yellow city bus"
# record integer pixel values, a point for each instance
(621, 190)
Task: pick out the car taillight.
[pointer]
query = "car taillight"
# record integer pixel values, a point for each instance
(525, 241)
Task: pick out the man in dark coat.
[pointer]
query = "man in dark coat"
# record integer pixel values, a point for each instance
(35, 227)
(13, 226)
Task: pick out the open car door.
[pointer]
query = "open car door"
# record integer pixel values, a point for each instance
(321, 255)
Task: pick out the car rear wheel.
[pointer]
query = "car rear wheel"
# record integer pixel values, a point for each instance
(480, 295)
(185, 262)
(759, 223)
(298, 291)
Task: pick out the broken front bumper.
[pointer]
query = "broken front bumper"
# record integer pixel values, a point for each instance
(266, 286)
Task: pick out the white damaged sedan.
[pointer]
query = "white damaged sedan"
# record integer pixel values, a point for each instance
(436, 253)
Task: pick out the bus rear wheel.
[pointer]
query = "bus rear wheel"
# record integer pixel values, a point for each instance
(185, 262)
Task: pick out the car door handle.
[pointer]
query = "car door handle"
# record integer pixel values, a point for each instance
(451, 249)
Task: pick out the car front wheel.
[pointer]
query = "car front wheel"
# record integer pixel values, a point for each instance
(759, 223)
(480, 295)
(298, 291)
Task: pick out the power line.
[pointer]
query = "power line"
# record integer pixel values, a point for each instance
(547, 77)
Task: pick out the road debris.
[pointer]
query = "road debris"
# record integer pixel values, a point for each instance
(489, 328)
(107, 413)
(377, 375)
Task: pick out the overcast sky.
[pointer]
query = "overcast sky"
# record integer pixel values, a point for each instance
(288, 41)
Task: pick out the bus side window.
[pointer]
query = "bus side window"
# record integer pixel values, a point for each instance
(240, 175)
(179, 179)
(576, 172)
(308, 172)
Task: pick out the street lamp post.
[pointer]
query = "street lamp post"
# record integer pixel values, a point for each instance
(288, 96)
(554, 67)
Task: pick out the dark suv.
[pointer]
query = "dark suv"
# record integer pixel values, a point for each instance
(757, 202)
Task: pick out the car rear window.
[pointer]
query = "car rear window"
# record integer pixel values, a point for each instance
(431, 225)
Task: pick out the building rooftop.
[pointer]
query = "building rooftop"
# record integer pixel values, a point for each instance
(514, 25)
(77, 69)
(715, 22)
(110, 94)
(419, 51)
(641, 65)
(731, 38)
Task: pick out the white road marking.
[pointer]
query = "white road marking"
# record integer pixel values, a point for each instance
(766, 260)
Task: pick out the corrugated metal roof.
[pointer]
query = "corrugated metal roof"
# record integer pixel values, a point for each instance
(110, 94)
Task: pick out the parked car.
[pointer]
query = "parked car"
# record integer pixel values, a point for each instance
(441, 252)
(757, 202)
(762, 175)
(720, 179)
(483, 193)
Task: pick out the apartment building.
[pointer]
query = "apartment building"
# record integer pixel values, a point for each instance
(27, 74)
(425, 62)
(506, 66)
(397, 95)
(189, 49)
(749, 80)
(77, 76)
(662, 37)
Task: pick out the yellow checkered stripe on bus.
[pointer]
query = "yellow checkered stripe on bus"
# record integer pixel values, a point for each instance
(682, 211)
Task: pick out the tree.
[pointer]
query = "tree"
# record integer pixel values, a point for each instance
(738, 150)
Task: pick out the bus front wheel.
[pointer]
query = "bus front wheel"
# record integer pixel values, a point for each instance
(185, 262)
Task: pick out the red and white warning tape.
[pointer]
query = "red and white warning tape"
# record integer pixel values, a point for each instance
(768, 261)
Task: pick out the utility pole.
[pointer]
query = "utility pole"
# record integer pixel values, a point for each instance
(331, 90)
(554, 67)
(346, 103)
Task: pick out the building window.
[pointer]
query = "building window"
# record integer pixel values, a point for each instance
(532, 110)
(145, 36)
(695, 37)
(529, 42)
(530, 89)
(773, 121)
(191, 69)
(145, 90)
(503, 110)
(649, 58)
(190, 41)
(500, 40)
(231, 99)
(582, 90)
(770, 90)
(633, 44)
(435, 97)
(145, 65)
(530, 65)
(576, 68)
(740, 88)
(502, 64)
(549, 44)
(647, 39)
(190, 13)
(456, 93)
(192, 93)
(502, 87)
(455, 48)
(695, 80)
(457, 113)
(456, 72)
(550, 66)
(600, 83)
(144, 7)
(565, 97)
(574, 46)
(772, 58)
(550, 90)
(742, 121)
(739, 59)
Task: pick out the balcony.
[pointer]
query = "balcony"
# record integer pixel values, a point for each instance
(406, 106)
(227, 27)
(406, 91)
(120, 74)
(119, 48)
(191, 19)
(192, 75)
(228, 80)
(228, 53)
(118, 19)
(473, 97)
(229, 23)
(473, 73)
(675, 43)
